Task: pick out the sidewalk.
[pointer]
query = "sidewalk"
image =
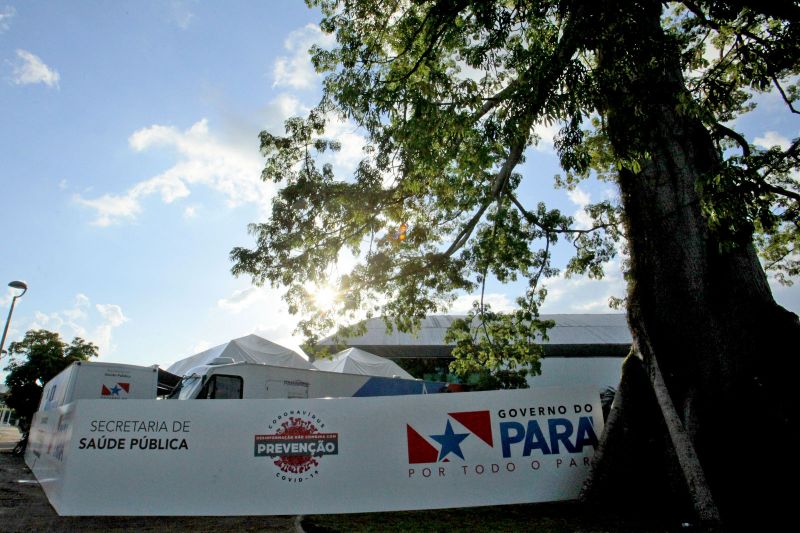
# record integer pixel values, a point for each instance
(24, 508)
(9, 436)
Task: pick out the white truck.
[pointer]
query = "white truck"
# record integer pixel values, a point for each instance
(221, 379)
(90, 380)
(225, 379)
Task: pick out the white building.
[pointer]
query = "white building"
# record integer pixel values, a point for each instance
(580, 349)
(6, 413)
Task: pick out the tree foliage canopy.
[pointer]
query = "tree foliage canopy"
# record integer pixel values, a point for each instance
(449, 93)
(45, 355)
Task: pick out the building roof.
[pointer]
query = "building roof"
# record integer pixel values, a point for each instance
(574, 335)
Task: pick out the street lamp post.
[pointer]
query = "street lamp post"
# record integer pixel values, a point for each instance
(13, 285)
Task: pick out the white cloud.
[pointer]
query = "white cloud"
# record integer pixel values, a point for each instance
(102, 333)
(79, 321)
(296, 70)
(203, 159)
(56, 322)
(283, 107)
(230, 165)
(78, 311)
(711, 54)
(111, 208)
(6, 14)
(232, 168)
(772, 138)
(33, 70)
(262, 302)
(466, 72)
(181, 14)
(581, 294)
(547, 134)
(112, 313)
(272, 318)
(346, 261)
(265, 303)
(580, 198)
(241, 299)
(351, 153)
(201, 346)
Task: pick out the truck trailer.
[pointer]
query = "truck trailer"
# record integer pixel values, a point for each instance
(90, 380)
(225, 379)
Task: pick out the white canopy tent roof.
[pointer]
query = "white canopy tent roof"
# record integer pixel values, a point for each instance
(249, 349)
(357, 361)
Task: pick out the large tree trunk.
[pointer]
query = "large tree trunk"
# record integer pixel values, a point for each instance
(699, 308)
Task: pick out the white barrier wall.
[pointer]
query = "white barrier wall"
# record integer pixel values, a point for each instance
(270, 457)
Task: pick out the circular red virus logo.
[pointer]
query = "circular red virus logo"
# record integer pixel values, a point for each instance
(296, 445)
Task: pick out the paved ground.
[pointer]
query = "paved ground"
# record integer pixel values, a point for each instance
(24, 507)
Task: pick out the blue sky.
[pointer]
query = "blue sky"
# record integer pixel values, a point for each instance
(130, 168)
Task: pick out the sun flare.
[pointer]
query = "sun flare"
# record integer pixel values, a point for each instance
(324, 297)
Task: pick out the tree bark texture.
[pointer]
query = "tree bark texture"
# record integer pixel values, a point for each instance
(634, 452)
(727, 351)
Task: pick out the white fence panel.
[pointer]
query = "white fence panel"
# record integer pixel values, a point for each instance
(343, 455)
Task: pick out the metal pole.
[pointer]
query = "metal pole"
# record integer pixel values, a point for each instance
(14, 285)
(8, 321)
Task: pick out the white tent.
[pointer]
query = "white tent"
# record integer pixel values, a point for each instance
(250, 349)
(356, 361)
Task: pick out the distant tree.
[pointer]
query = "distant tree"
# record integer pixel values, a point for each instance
(45, 355)
(500, 379)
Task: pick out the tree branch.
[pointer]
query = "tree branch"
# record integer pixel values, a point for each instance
(497, 187)
(716, 26)
(792, 149)
(545, 260)
(531, 219)
(565, 49)
(783, 95)
(439, 27)
(493, 101)
(783, 192)
(736, 136)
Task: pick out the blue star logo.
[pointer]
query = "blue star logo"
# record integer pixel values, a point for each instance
(450, 441)
(115, 391)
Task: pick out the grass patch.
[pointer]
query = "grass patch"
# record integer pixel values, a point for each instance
(559, 517)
